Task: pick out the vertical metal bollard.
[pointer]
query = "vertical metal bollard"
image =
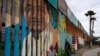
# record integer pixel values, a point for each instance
(12, 25)
(8, 19)
(27, 1)
(20, 28)
(6, 24)
(16, 27)
(1, 32)
(33, 24)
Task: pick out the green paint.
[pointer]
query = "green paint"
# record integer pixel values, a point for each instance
(61, 52)
(53, 3)
(54, 17)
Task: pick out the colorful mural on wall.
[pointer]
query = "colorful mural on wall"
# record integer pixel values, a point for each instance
(31, 26)
(62, 30)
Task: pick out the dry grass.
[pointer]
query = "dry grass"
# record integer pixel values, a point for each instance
(98, 53)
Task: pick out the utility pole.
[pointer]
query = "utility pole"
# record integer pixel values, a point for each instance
(90, 13)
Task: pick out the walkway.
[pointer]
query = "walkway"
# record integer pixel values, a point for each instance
(92, 52)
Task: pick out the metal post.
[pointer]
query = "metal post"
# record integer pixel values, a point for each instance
(90, 33)
(37, 35)
(90, 13)
(37, 29)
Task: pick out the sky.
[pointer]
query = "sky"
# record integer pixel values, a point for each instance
(80, 7)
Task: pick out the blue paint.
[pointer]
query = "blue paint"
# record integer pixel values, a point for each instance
(69, 37)
(54, 24)
(63, 34)
(7, 47)
(54, 3)
(62, 37)
(16, 40)
(23, 31)
(54, 17)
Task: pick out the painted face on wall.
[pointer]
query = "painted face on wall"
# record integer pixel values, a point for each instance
(36, 19)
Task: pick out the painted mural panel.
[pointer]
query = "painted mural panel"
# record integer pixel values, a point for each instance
(69, 38)
(63, 33)
(28, 42)
(71, 17)
(47, 37)
(62, 30)
(74, 43)
(43, 22)
(62, 6)
(67, 12)
(53, 16)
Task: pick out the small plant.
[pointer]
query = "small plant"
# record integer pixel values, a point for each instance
(61, 52)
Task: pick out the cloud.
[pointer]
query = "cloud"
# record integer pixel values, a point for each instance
(80, 7)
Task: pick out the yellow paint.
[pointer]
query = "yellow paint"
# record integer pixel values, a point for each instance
(16, 20)
(63, 24)
(8, 23)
